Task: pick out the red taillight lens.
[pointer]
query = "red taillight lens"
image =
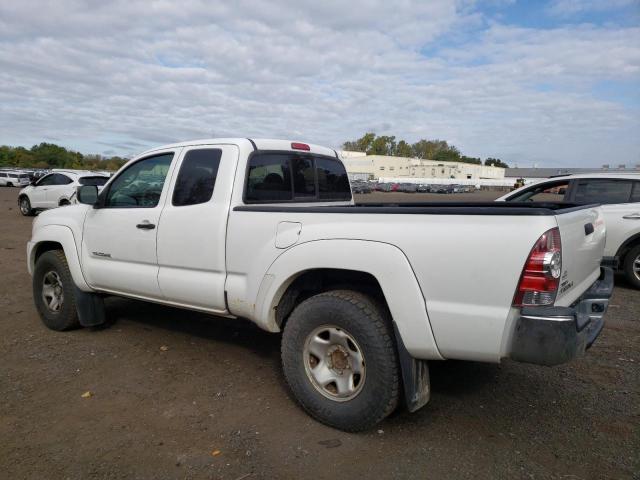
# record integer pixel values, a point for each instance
(300, 146)
(541, 273)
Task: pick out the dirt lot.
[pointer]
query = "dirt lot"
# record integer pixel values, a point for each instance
(170, 387)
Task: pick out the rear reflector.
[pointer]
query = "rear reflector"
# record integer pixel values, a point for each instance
(541, 273)
(300, 146)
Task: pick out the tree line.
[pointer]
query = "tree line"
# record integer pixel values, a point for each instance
(438, 150)
(50, 155)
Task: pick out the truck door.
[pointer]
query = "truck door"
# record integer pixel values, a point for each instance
(59, 187)
(615, 195)
(119, 238)
(192, 229)
(38, 194)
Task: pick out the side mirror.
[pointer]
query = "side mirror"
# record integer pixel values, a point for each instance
(87, 194)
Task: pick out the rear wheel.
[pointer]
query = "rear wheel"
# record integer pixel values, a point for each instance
(631, 266)
(25, 206)
(339, 359)
(53, 291)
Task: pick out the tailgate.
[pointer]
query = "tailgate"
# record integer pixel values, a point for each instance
(583, 236)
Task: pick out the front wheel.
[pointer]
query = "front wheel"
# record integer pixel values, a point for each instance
(53, 291)
(25, 206)
(631, 266)
(339, 359)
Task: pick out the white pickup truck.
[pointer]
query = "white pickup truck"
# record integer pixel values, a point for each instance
(365, 295)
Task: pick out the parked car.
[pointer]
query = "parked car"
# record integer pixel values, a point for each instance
(365, 295)
(13, 179)
(385, 187)
(442, 189)
(407, 187)
(423, 189)
(56, 189)
(360, 187)
(619, 195)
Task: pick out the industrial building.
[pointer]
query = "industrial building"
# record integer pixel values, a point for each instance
(534, 174)
(363, 166)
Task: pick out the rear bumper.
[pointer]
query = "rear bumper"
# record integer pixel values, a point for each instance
(555, 335)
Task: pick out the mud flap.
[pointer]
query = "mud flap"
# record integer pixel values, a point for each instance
(415, 376)
(90, 308)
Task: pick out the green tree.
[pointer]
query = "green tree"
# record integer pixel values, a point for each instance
(363, 144)
(495, 162)
(383, 145)
(49, 155)
(403, 149)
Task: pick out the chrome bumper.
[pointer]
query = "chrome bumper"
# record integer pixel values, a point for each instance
(555, 335)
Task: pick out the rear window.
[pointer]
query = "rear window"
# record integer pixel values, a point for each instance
(295, 177)
(269, 178)
(93, 181)
(603, 191)
(24, 175)
(333, 181)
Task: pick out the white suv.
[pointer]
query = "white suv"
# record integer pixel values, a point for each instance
(14, 179)
(56, 189)
(619, 195)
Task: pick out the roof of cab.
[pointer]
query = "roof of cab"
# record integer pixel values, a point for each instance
(260, 144)
(612, 175)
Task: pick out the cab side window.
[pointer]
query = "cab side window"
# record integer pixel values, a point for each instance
(603, 191)
(140, 185)
(197, 177)
(547, 192)
(635, 194)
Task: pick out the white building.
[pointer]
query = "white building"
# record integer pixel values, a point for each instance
(361, 165)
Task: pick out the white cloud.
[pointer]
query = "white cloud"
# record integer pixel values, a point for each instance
(121, 76)
(571, 7)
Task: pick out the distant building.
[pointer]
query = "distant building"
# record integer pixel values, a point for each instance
(361, 165)
(533, 174)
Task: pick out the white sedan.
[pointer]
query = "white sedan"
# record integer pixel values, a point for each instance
(56, 189)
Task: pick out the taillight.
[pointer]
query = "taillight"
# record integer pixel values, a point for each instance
(541, 274)
(300, 146)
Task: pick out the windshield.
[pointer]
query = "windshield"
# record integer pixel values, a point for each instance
(97, 181)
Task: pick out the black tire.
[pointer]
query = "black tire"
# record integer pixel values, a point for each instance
(64, 203)
(368, 324)
(24, 205)
(9, 184)
(631, 260)
(66, 316)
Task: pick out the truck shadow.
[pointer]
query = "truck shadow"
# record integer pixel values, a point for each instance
(447, 377)
(237, 332)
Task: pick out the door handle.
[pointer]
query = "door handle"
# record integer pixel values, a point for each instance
(632, 216)
(145, 225)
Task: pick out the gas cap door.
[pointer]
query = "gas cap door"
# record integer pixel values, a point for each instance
(287, 234)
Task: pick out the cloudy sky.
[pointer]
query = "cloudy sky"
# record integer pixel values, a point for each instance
(554, 83)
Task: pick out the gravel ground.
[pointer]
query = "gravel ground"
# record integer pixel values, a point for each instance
(177, 394)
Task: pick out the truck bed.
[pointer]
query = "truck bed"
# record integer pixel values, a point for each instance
(428, 208)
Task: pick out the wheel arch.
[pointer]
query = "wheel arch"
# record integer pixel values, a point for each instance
(54, 237)
(376, 268)
(628, 244)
